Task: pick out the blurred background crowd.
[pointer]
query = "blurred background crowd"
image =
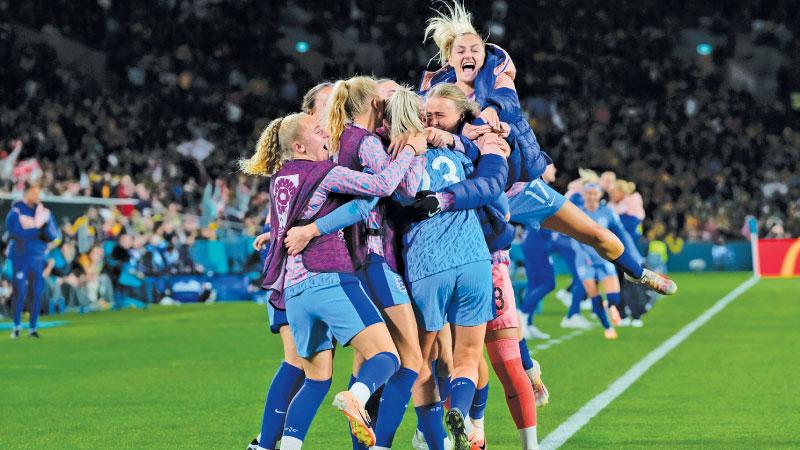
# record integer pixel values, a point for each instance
(697, 103)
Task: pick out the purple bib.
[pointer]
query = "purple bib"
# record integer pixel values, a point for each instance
(290, 190)
(356, 235)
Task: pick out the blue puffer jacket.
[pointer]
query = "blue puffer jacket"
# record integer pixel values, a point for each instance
(480, 191)
(527, 161)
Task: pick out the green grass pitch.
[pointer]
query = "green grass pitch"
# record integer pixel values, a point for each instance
(195, 376)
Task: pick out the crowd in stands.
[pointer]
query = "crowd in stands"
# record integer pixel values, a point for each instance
(188, 84)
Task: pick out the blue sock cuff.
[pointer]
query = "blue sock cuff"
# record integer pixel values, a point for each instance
(479, 402)
(614, 298)
(291, 370)
(462, 391)
(525, 354)
(395, 360)
(378, 369)
(318, 384)
(628, 264)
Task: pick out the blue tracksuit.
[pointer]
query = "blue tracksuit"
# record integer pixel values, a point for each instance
(28, 251)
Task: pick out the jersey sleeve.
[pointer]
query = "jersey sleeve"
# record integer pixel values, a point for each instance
(372, 155)
(342, 180)
(488, 183)
(15, 229)
(351, 212)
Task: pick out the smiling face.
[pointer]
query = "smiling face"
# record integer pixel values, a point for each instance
(467, 57)
(312, 140)
(441, 113)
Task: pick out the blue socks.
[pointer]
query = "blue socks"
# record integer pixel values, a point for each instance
(629, 265)
(578, 294)
(442, 382)
(394, 401)
(304, 407)
(462, 391)
(430, 421)
(525, 354)
(479, 402)
(284, 386)
(600, 312)
(373, 374)
(615, 300)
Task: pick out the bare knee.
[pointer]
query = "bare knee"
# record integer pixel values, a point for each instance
(411, 358)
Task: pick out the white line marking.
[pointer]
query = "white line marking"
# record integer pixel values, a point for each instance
(571, 426)
(561, 339)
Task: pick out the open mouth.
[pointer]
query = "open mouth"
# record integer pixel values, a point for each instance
(468, 67)
(325, 146)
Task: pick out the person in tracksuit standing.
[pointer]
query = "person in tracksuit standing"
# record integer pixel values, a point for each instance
(31, 227)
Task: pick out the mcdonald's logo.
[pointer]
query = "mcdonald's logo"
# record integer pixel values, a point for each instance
(779, 257)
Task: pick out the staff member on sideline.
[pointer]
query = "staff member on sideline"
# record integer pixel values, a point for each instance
(31, 227)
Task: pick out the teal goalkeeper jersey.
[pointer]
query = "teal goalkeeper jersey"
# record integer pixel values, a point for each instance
(448, 239)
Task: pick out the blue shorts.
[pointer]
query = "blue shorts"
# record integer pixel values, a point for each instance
(597, 271)
(277, 319)
(462, 296)
(321, 313)
(535, 204)
(384, 286)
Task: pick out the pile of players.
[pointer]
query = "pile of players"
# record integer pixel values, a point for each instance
(388, 230)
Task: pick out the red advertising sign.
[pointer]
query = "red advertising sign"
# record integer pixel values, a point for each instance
(779, 257)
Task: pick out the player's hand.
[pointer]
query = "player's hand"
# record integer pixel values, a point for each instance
(420, 143)
(261, 241)
(439, 138)
(505, 130)
(492, 144)
(489, 115)
(397, 144)
(472, 132)
(297, 238)
(425, 206)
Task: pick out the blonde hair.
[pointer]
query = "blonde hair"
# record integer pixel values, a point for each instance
(445, 26)
(348, 99)
(311, 96)
(450, 91)
(588, 175)
(274, 146)
(402, 112)
(626, 187)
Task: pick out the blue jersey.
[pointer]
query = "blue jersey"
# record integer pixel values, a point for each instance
(448, 239)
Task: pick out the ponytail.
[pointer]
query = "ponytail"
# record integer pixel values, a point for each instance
(274, 146)
(348, 99)
(402, 112)
(336, 117)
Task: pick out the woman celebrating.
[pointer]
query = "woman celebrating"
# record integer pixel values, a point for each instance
(322, 298)
(447, 110)
(449, 272)
(486, 73)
